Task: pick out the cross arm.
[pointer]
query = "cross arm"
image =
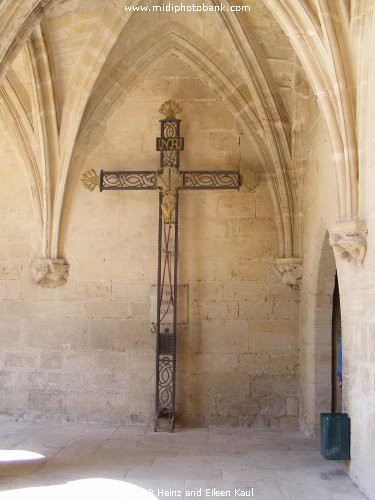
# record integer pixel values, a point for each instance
(120, 180)
(210, 179)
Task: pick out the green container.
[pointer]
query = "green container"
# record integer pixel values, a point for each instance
(335, 436)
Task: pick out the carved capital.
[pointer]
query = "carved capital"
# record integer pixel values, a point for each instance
(349, 241)
(49, 273)
(290, 271)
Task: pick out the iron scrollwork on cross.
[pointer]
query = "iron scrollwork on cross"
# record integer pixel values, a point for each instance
(199, 179)
(168, 180)
(127, 180)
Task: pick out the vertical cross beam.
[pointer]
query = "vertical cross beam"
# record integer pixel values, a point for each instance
(166, 321)
(169, 144)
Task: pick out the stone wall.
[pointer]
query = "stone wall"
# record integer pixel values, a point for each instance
(85, 351)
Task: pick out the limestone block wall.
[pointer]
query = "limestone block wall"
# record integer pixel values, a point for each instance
(85, 351)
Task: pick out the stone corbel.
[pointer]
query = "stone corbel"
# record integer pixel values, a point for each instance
(290, 271)
(349, 241)
(49, 273)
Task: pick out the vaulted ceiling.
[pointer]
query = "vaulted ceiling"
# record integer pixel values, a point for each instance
(64, 65)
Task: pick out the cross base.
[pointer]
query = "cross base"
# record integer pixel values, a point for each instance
(164, 423)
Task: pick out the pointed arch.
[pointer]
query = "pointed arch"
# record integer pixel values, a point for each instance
(36, 136)
(271, 111)
(325, 58)
(16, 118)
(218, 73)
(94, 56)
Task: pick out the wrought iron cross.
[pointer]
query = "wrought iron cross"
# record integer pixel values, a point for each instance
(169, 180)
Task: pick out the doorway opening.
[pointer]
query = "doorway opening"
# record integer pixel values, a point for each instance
(336, 351)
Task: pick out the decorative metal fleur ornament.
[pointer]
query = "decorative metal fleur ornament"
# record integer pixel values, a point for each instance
(170, 109)
(90, 179)
(168, 208)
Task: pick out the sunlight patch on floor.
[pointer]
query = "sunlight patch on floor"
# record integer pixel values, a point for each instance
(95, 488)
(18, 456)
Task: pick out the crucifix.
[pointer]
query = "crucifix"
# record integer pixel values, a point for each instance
(168, 180)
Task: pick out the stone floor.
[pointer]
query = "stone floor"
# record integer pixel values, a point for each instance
(67, 461)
